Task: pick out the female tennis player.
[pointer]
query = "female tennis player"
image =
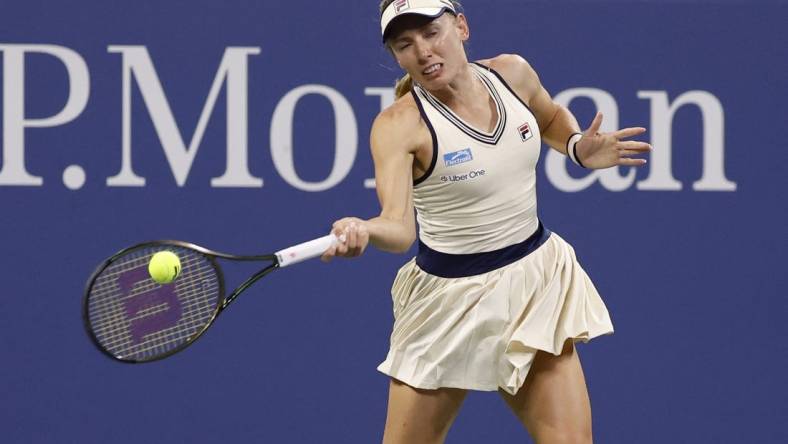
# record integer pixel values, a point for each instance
(493, 300)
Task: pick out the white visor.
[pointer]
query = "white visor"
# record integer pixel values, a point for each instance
(427, 8)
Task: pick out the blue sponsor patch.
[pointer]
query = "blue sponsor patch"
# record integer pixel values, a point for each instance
(457, 157)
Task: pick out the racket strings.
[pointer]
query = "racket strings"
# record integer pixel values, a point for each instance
(118, 340)
(134, 318)
(118, 337)
(102, 304)
(105, 303)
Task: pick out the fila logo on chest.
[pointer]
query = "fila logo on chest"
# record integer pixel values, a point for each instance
(525, 132)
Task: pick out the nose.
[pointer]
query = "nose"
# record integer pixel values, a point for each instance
(423, 50)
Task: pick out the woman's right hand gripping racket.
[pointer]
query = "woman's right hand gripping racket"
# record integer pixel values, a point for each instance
(133, 319)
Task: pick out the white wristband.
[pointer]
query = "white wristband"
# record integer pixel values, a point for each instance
(571, 148)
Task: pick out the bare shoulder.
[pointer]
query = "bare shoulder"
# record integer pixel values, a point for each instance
(400, 125)
(511, 66)
(517, 72)
(403, 113)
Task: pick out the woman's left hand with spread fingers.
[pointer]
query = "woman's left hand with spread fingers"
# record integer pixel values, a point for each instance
(603, 150)
(353, 236)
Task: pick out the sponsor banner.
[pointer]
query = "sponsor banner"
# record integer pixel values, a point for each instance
(244, 127)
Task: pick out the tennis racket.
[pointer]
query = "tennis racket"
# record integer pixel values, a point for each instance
(133, 319)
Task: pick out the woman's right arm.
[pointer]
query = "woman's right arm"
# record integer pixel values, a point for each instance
(395, 137)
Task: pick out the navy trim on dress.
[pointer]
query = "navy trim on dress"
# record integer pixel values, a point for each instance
(427, 174)
(445, 111)
(500, 77)
(462, 265)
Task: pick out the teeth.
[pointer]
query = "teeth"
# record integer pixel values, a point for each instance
(432, 68)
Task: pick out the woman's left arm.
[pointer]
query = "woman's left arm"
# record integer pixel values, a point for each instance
(559, 128)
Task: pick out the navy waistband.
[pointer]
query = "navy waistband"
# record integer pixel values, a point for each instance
(462, 265)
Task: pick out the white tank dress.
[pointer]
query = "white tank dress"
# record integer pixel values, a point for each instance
(490, 285)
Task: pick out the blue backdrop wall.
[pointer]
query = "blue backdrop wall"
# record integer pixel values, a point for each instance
(243, 126)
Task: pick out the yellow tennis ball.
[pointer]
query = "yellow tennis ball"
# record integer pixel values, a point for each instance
(164, 267)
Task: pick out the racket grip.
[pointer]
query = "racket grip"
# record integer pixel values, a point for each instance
(306, 250)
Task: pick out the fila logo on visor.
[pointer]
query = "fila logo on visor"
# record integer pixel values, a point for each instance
(457, 157)
(399, 5)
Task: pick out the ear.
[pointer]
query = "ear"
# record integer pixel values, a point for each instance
(463, 30)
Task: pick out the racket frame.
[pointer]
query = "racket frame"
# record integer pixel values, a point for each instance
(222, 302)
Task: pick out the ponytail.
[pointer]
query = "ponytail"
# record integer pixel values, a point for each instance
(403, 86)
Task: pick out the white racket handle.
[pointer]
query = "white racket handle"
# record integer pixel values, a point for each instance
(306, 250)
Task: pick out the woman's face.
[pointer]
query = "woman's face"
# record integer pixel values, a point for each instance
(430, 50)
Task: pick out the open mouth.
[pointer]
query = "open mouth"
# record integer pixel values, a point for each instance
(432, 69)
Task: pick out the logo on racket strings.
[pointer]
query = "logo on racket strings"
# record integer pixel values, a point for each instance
(150, 311)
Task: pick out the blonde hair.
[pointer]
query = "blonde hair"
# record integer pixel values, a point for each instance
(405, 84)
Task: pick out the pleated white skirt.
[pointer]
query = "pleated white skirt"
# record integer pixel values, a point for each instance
(482, 332)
